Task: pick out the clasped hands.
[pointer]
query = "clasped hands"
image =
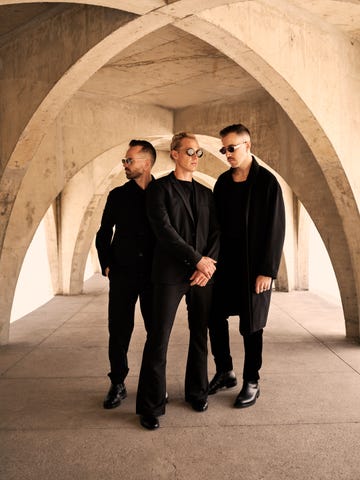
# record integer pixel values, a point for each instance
(205, 269)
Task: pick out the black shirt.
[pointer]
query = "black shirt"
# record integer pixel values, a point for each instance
(188, 189)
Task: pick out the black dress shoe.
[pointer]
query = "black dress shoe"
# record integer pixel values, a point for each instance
(149, 421)
(222, 380)
(199, 405)
(115, 394)
(248, 395)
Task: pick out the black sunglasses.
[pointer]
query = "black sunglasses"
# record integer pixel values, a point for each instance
(231, 148)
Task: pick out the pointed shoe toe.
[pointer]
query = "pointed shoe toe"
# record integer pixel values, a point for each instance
(248, 395)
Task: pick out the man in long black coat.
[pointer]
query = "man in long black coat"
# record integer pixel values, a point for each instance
(125, 247)
(251, 214)
(182, 215)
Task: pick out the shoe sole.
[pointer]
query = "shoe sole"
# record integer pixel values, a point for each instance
(249, 404)
(228, 385)
(114, 405)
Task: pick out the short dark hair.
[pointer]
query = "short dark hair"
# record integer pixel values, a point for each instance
(145, 147)
(238, 128)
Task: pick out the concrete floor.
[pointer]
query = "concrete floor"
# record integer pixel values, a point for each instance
(305, 425)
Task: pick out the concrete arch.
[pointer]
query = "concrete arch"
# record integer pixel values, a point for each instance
(92, 214)
(39, 102)
(55, 168)
(322, 152)
(127, 5)
(177, 8)
(92, 211)
(106, 178)
(66, 74)
(341, 238)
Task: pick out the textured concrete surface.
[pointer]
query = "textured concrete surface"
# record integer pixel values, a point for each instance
(79, 80)
(305, 425)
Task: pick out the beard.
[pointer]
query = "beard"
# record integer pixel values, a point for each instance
(132, 175)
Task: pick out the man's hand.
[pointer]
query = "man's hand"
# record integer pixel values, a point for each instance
(206, 266)
(198, 278)
(107, 270)
(262, 284)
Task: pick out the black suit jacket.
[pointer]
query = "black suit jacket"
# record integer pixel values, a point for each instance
(181, 239)
(125, 240)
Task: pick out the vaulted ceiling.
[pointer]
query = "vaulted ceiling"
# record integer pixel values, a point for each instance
(143, 70)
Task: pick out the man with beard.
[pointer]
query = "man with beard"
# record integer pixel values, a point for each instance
(125, 255)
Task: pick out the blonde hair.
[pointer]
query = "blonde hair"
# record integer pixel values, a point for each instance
(177, 139)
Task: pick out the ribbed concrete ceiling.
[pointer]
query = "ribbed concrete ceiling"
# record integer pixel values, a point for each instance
(174, 69)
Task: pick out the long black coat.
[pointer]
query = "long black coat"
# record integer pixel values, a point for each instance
(260, 249)
(182, 240)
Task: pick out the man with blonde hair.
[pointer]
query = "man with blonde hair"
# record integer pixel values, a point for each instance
(182, 215)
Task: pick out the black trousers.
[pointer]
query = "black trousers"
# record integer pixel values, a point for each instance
(152, 381)
(125, 289)
(220, 348)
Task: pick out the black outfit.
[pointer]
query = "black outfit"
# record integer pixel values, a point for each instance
(182, 216)
(127, 252)
(252, 222)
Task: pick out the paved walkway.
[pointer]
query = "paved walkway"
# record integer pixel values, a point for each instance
(305, 425)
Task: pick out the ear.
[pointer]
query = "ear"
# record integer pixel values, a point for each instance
(148, 165)
(174, 154)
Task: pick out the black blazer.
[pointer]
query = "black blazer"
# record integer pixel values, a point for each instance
(125, 239)
(181, 239)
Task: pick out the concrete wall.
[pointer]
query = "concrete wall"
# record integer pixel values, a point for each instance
(60, 144)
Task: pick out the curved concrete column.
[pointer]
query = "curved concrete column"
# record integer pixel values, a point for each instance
(310, 144)
(253, 44)
(36, 81)
(276, 140)
(66, 62)
(55, 49)
(302, 243)
(38, 103)
(58, 163)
